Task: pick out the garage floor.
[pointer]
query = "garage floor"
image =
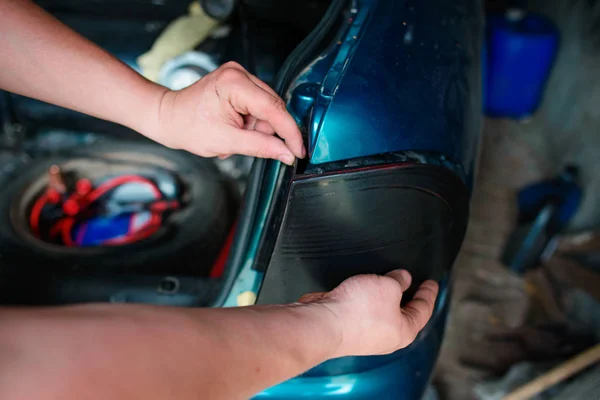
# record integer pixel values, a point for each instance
(488, 301)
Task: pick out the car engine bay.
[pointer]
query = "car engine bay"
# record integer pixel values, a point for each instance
(92, 211)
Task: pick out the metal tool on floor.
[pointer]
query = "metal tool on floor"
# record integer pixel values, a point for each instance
(545, 209)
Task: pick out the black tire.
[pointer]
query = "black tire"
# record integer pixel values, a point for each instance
(188, 244)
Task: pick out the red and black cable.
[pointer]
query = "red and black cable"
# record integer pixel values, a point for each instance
(84, 196)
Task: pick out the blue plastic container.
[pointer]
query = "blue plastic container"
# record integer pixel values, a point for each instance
(521, 48)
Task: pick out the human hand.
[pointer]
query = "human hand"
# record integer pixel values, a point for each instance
(229, 111)
(367, 308)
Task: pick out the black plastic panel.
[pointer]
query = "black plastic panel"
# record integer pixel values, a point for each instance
(371, 221)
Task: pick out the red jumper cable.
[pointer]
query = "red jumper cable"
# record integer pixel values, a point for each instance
(84, 196)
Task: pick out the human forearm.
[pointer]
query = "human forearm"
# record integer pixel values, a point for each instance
(44, 59)
(123, 352)
(229, 111)
(264, 346)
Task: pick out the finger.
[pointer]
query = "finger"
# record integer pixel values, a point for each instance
(224, 156)
(418, 311)
(256, 144)
(311, 297)
(264, 127)
(254, 124)
(250, 122)
(402, 276)
(247, 98)
(257, 102)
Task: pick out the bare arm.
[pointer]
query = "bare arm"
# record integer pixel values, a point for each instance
(135, 352)
(228, 111)
(44, 59)
(124, 352)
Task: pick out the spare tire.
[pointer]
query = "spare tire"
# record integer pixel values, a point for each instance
(188, 243)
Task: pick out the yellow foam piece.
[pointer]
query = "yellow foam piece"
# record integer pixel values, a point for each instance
(180, 36)
(246, 299)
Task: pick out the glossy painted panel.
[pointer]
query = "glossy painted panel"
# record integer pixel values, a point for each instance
(404, 75)
(401, 76)
(399, 376)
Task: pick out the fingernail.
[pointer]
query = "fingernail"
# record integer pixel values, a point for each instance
(286, 159)
(405, 274)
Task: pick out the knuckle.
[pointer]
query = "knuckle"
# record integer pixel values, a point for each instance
(428, 296)
(231, 75)
(431, 285)
(278, 105)
(232, 65)
(391, 287)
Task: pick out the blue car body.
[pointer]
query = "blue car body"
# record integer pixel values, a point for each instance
(388, 96)
(397, 79)
(401, 375)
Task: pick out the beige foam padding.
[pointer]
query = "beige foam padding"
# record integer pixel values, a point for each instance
(246, 299)
(180, 36)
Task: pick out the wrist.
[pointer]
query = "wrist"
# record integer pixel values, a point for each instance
(146, 116)
(330, 328)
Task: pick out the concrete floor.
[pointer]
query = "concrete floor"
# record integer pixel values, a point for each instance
(565, 129)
